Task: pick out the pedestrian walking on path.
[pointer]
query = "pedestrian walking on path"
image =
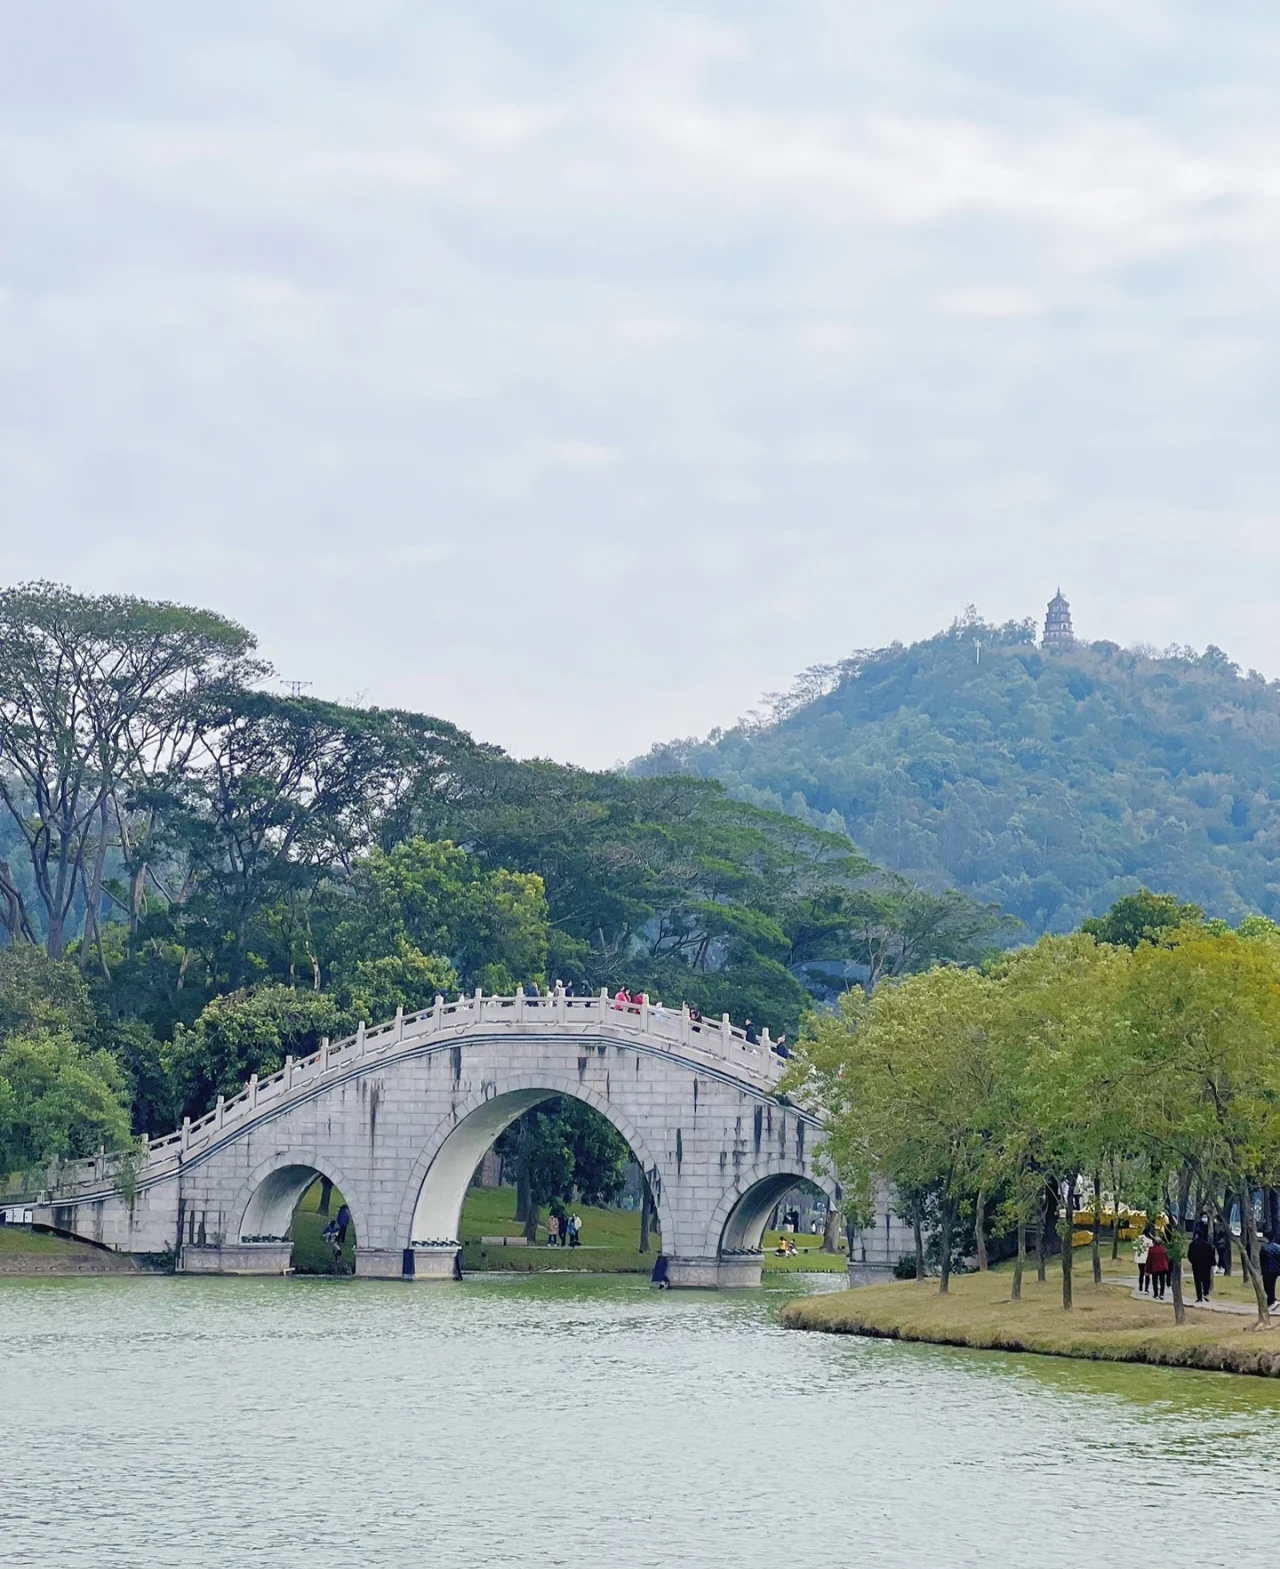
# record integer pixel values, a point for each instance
(1141, 1247)
(1269, 1258)
(1200, 1256)
(1158, 1269)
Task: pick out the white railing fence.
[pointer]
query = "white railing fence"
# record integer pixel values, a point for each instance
(682, 1032)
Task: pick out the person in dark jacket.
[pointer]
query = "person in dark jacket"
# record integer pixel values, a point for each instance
(1269, 1258)
(344, 1220)
(1158, 1269)
(1222, 1247)
(1200, 1257)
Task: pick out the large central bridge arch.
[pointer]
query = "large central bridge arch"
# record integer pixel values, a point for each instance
(432, 1208)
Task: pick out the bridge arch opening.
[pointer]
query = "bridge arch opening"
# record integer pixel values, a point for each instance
(787, 1205)
(303, 1205)
(451, 1160)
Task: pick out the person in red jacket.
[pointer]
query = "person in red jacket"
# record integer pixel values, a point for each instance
(1158, 1269)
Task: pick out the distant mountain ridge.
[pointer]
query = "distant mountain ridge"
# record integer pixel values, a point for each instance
(1051, 780)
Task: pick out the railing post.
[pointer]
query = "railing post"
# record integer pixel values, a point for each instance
(360, 1039)
(399, 1023)
(726, 1031)
(186, 1134)
(437, 1013)
(253, 1092)
(479, 1005)
(288, 1073)
(324, 1054)
(519, 1004)
(644, 1010)
(220, 1113)
(764, 1039)
(684, 1023)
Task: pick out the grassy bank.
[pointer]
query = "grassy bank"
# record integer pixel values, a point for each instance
(1106, 1324)
(26, 1252)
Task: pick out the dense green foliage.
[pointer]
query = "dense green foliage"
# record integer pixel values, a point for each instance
(1147, 1065)
(60, 1095)
(230, 875)
(1049, 783)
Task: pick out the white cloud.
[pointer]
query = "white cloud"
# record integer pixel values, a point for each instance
(787, 329)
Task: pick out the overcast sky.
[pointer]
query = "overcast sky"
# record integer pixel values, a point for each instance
(580, 371)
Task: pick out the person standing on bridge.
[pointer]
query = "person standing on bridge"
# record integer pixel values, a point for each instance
(622, 998)
(751, 1033)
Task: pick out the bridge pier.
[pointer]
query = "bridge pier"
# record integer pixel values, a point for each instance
(434, 1263)
(237, 1258)
(740, 1271)
(380, 1263)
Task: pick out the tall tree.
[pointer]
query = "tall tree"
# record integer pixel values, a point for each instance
(87, 683)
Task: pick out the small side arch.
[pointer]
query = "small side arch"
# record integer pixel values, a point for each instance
(432, 1205)
(265, 1205)
(738, 1221)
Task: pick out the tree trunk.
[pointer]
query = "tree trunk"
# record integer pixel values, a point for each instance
(1115, 1213)
(1226, 1226)
(644, 1215)
(1067, 1240)
(831, 1230)
(948, 1221)
(1048, 1217)
(524, 1194)
(1020, 1263)
(1097, 1229)
(93, 898)
(917, 1236)
(531, 1220)
(979, 1230)
(1250, 1261)
(1175, 1287)
(326, 1193)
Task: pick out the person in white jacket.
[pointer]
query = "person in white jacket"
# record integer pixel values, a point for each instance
(1140, 1250)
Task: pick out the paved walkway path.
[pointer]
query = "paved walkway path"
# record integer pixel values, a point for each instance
(1209, 1307)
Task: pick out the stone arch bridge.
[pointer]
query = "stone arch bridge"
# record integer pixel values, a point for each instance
(398, 1118)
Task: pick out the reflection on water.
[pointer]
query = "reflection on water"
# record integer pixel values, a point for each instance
(581, 1421)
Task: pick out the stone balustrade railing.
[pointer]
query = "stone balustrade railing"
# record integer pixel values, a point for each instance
(716, 1043)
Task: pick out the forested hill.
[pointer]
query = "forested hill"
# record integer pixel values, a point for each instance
(1049, 782)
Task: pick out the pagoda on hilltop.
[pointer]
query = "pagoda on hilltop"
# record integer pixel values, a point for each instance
(1057, 624)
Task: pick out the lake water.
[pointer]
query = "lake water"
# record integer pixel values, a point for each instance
(579, 1421)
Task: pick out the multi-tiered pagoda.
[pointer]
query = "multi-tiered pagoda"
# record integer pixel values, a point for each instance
(1057, 624)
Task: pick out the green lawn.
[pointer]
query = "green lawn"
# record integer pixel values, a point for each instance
(610, 1239)
(809, 1258)
(16, 1240)
(312, 1255)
